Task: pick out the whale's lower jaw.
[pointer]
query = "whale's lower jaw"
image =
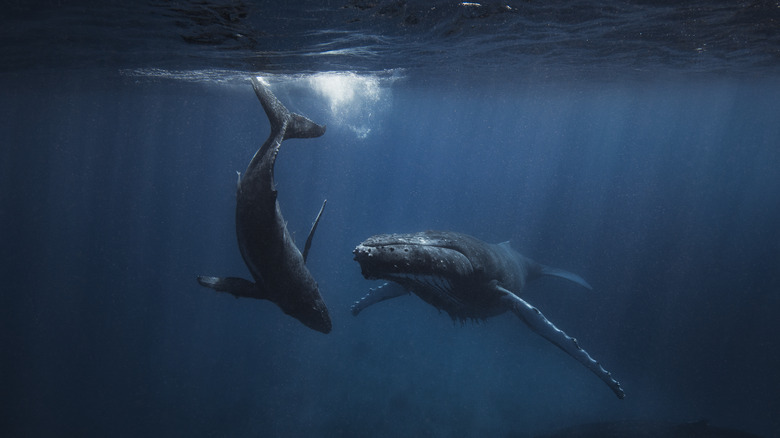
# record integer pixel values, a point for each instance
(472, 303)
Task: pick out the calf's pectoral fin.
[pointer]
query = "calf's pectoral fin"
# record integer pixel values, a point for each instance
(542, 326)
(238, 287)
(375, 295)
(307, 246)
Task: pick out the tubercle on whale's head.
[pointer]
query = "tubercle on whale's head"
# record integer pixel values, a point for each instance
(386, 255)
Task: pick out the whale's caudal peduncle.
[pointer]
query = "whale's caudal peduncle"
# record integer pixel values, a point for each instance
(468, 279)
(277, 266)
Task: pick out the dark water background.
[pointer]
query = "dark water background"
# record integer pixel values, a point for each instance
(657, 181)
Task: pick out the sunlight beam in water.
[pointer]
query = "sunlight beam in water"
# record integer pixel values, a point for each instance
(352, 98)
(344, 88)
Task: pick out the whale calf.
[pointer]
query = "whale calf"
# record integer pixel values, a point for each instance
(468, 279)
(277, 266)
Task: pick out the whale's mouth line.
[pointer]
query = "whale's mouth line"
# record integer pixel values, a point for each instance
(427, 284)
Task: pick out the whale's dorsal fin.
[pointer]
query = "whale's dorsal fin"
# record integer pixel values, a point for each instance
(307, 246)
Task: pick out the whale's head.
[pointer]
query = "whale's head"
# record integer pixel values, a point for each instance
(312, 311)
(400, 256)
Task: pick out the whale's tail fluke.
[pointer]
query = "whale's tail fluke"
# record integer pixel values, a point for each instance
(560, 273)
(297, 126)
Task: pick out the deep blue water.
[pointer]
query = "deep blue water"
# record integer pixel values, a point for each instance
(118, 188)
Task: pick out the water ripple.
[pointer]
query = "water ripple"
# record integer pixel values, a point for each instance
(555, 38)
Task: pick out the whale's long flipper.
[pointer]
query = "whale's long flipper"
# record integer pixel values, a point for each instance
(541, 325)
(378, 294)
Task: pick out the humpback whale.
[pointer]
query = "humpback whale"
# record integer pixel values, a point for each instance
(277, 266)
(468, 279)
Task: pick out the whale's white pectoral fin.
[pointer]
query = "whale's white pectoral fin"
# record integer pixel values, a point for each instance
(541, 325)
(375, 295)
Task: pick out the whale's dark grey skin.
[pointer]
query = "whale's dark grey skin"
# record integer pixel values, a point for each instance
(468, 279)
(277, 266)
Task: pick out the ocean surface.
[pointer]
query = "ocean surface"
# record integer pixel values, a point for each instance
(635, 143)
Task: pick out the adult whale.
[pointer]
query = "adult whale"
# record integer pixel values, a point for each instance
(277, 266)
(468, 279)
